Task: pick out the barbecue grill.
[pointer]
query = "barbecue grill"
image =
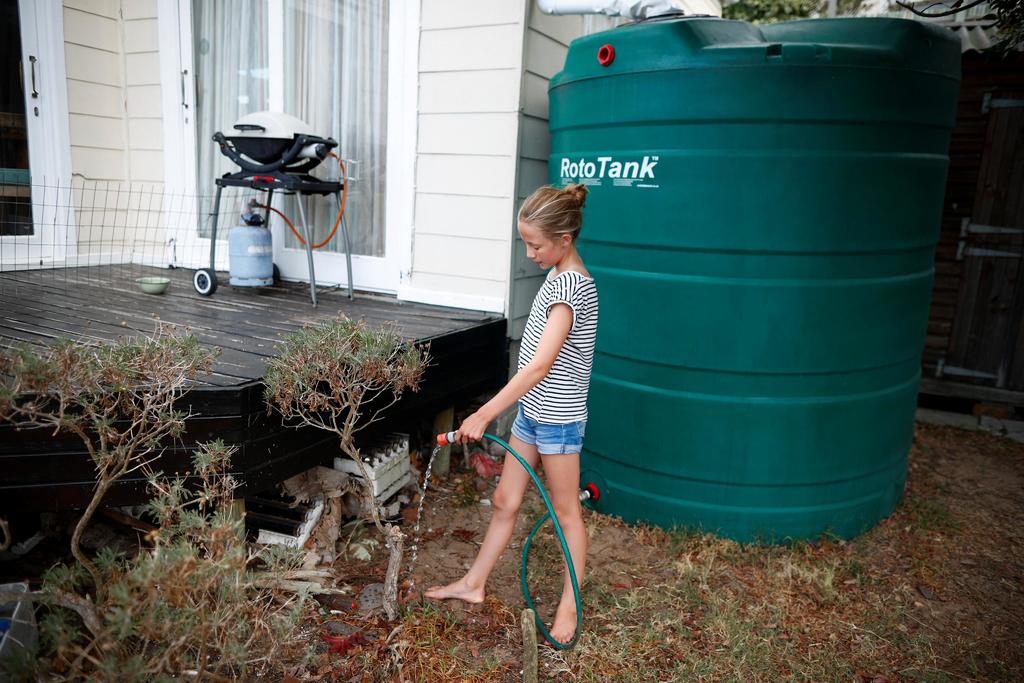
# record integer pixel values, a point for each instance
(275, 152)
(272, 141)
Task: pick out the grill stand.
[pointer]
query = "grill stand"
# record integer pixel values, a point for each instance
(289, 183)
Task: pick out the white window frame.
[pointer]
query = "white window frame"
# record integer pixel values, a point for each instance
(381, 274)
(49, 140)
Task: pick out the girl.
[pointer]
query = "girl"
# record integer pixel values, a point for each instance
(551, 387)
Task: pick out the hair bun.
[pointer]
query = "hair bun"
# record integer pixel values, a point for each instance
(578, 192)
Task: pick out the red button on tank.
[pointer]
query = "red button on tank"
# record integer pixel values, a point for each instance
(605, 55)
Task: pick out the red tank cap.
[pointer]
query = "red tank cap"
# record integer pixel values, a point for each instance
(605, 55)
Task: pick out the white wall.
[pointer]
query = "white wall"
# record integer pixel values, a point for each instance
(110, 50)
(470, 71)
(142, 91)
(94, 64)
(115, 123)
(482, 147)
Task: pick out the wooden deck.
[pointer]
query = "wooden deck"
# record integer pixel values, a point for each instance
(39, 471)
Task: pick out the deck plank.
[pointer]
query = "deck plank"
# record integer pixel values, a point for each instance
(102, 303)
(211, 312)
(468, 355)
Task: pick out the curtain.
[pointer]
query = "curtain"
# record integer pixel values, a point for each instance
(232, 79)
(335, 54)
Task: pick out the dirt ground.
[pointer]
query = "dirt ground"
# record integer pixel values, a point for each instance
(933, 593)
(455, 521)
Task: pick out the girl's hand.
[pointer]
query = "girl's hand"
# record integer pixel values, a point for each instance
(473, 428)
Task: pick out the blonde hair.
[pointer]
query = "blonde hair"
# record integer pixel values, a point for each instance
(555, 211)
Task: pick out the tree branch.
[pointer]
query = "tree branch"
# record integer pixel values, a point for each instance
(82, 606)
(935, 15)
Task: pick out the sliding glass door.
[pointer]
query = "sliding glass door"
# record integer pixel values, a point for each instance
(334, 75)
(230, 56)
(329, 63)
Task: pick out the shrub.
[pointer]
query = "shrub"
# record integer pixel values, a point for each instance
(340, 376)
(117, 397)
(197, 603)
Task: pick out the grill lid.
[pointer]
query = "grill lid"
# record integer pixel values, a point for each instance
(271, 124)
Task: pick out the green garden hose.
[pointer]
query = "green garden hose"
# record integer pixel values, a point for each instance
(449, 438)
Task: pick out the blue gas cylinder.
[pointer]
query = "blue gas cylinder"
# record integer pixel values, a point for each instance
(251, 252)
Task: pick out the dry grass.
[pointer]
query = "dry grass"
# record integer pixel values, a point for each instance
(472, 645)
(931, 594)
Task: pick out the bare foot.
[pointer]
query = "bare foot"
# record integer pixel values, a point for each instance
(459, 590)
(565, 622)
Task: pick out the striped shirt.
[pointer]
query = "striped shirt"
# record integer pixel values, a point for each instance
(561, 397)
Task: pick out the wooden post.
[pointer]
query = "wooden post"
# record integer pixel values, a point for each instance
(394, 545)
(529, 646)
(443, 422)
(236, 511)
(237, 508)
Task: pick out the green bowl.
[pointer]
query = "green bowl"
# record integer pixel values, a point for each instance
(153, 285)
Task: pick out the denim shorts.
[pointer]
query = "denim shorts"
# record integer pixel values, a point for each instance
(549, 439)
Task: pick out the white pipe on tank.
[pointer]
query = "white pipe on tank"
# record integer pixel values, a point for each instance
(634, 9)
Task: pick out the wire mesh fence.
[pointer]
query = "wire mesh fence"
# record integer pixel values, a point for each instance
(51, 227)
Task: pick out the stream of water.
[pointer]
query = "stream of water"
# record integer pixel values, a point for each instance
(419, 516)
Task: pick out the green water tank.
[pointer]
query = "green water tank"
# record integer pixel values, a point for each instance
(763, 211)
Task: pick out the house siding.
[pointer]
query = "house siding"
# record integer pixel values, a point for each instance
(547, 41)
(481, 147)
(143, 110)
(92, 58)
(115, 124)
(470, 61)
(113, 85)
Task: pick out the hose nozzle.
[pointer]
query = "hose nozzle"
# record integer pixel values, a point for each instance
(446, 439)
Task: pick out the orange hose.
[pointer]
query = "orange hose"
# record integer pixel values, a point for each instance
(341, 207)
